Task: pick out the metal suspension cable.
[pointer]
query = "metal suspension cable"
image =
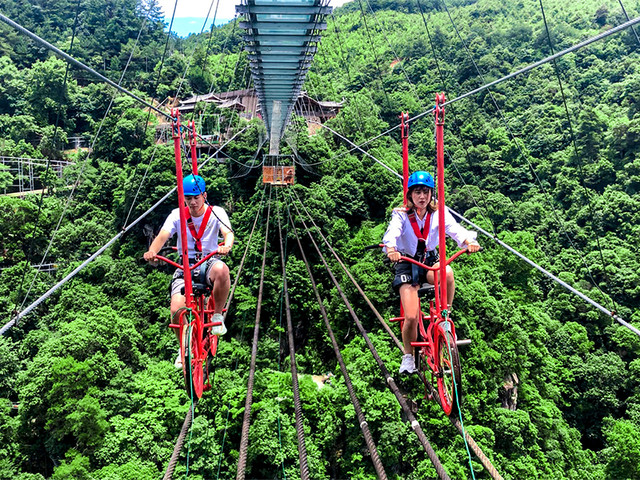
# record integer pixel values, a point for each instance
(415, 425)
(358, 148)
(81, 172)
(529, 67)
(551, 275)
(581, 175)
(522, 154)
(486, 463)
(373, 50)
(96, 254)
(78, 63)
(627, 17)
(46, 172)
(146, 126)
(302, 449)
(179, 444)
(244, 438)
(446, 89)
(244, 256)
(364, 426)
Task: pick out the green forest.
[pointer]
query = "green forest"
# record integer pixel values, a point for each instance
(547, 162)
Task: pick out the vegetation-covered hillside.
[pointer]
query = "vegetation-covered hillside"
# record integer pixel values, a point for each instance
(91, 369)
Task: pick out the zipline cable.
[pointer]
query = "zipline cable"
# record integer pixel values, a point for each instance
(79, 64)
(415, 425)
(595, 304)
(581, 174)
(44, 175)
(627, 17)
(529, 67)
(364, 426)
(516, 142)
(83, 166)
(299, 418)
(246, 421)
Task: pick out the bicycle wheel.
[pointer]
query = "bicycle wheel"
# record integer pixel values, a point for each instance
(449, 376)
(193, 366)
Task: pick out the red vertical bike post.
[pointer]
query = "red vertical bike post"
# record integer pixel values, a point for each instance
(404, 135)
(193, 144)
(441, 293)
(184, 244)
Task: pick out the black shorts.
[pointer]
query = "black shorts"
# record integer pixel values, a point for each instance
(405, 271)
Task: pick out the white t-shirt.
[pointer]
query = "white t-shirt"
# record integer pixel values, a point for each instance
(401, 236)
(210, 237)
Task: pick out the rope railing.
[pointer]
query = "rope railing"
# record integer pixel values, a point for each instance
(246, 420)
(299, 418)
(486, 463)
(415, 425)
(364, 426)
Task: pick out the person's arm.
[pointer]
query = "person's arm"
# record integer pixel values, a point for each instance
(391, 236)
(156, 245)
(228, 240)
(461, 235)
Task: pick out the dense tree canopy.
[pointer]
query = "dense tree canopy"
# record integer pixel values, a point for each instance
(91, 368)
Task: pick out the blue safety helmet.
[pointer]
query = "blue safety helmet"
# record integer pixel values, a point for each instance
(420, 178)
(193, 185)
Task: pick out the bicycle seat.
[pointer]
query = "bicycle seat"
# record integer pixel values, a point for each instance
(426, 290)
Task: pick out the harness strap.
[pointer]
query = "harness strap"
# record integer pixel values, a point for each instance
(414, 224)
(198, 235)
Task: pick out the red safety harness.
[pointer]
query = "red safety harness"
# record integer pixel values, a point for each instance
(197, 235)
(420, 233)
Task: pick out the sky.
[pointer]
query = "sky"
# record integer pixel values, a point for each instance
(190, 14)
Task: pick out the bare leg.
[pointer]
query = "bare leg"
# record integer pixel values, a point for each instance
(177, 302)
(411, 307)
(451, 283)
(219, 277)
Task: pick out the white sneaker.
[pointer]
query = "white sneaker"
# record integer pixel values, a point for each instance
(407, 365)
(178, 362)
(218, 329)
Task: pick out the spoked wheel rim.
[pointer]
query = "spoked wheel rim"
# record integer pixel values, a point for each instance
(449, 376)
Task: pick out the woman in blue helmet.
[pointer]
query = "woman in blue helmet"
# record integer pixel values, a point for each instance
(202, 240)
(413, 232)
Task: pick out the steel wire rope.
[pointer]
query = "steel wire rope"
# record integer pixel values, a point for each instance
(415, 425)
(624, 11)
(83, 166)
(226, 307)
(581, 174)
(509, 76)
(299, 418)
(584, 297)
(364, 426)
(46, 171)
(486, 463)
(280, 349)
(96, 254)
(146, 126)
(79, 64)
(395, 55)
(456, 125)
(524, 156)
(375, 55)
(246, 420)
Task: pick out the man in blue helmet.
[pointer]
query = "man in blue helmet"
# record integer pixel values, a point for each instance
(413, 232)
(205, 225)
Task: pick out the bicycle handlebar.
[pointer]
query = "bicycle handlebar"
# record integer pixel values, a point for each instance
(192, 267)
(422, 265)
